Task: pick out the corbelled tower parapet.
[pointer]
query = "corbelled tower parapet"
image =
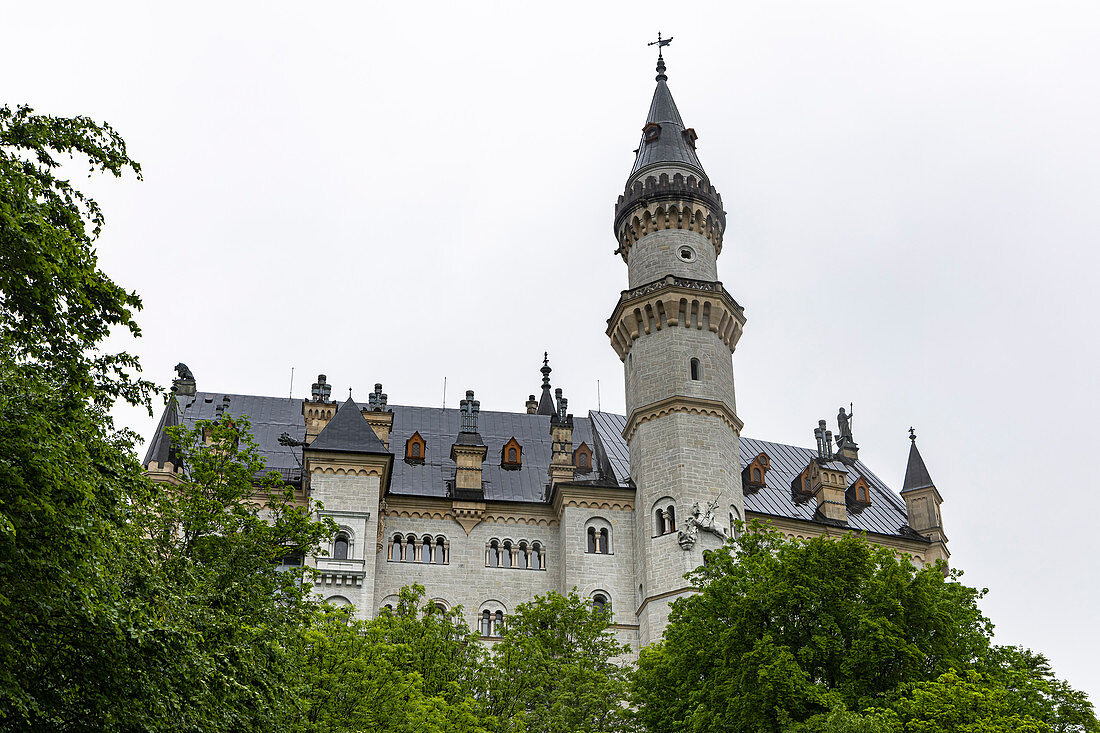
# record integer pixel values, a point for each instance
(664, 202)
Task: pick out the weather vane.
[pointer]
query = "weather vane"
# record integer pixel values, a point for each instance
(661, 43)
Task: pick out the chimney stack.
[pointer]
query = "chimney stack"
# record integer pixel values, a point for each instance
(378, 415)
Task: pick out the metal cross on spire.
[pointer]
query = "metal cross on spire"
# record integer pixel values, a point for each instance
(661, 43)
(912, 435)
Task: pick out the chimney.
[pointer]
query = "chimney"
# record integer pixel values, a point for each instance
(319, 409)
(828, 479)
(828, 483)
(532, 405)
(468, 453)
(561, 434)
(378, 415)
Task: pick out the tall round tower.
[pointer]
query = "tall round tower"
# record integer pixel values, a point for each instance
(675, 329)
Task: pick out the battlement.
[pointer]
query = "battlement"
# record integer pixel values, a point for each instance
(665, 202)
(664, 188)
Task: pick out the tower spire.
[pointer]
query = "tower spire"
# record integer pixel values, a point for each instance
(666, 143)
(546, 400)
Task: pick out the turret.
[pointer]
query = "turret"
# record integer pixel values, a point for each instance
(675, 329)
(922, 503)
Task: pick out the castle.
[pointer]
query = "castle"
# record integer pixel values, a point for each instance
(487, 509)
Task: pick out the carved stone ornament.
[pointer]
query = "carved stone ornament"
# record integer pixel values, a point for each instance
(381, 539)
(700, 519)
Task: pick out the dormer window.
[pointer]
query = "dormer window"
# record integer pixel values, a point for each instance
(800, 487)
(652, 131)
(690, 137)
(415, 449)
(511, 454)
(582, 458)
(754, 476)
(859, 493)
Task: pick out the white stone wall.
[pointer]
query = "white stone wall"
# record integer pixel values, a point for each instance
(657, 254)
(352, 502)
(466, 580)
(611, 573)
(658, 366)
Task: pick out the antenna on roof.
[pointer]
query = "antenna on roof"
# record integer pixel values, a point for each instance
(291, 394)
(444, 393)
(599, 406)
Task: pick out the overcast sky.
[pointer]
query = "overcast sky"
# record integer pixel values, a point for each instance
(410, 192)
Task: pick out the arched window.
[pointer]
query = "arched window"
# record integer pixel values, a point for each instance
(670, 515)
(395, 548)
(603, 543)
(601, 603)
(414, 450)
(498, 624)
(592, 539)
(507, 552)
(441, 550)
(493, 556)
(388, 608)
(340, 547)
(524, 555)
(756, 475)
(426, 551)
(486, 623)
(538, 561)
(665, 516)
(512, 457)
(696, 370)
(412, 551)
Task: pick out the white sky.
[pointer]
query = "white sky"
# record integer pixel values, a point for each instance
(402, 193)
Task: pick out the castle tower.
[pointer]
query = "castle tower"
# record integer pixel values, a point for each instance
(675, 329)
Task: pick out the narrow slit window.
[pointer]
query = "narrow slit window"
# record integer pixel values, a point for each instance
(696, 371)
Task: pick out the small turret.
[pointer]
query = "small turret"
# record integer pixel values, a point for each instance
(922, 502)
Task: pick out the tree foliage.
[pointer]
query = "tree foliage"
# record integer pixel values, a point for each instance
(411, 670)
(805, 635)
(555, 669)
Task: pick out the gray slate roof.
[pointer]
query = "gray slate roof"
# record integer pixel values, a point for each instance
(916, 473)
(670, 147)
(602, 431)
(348, 432)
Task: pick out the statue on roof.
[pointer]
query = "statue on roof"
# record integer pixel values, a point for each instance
(844, 427)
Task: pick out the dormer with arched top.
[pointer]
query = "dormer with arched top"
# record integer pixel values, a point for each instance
(416, 448)
(511, 454)
(582, 458)
(755, 475)
(859, 493)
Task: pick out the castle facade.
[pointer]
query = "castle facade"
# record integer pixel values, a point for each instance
(487, 509)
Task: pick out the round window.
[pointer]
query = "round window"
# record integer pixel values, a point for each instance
(687, 254)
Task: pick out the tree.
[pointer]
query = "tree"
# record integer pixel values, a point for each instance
(231, 606)
(555, 669)
(71, 571)
(404, 671)
(783, 630)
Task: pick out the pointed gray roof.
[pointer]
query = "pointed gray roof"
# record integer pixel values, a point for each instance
(671, 147)
(161, 449)
(546, 401)
(916, 473)
(348, 432)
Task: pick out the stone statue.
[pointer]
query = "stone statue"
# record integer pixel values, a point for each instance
(844, 426)
(700, 519)
(184, 383)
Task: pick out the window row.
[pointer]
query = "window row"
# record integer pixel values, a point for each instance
(506, 554)
(511, 453)
(428, 549)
